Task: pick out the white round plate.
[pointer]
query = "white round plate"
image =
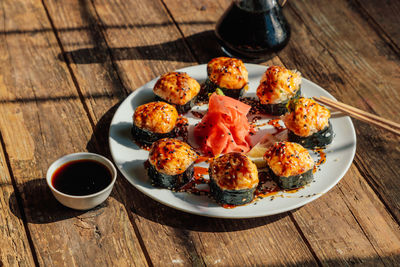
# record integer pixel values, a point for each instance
(130, 159)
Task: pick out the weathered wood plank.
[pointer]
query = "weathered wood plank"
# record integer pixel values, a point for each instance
(377, 224)
(48, 120)
(341, 233)
(369, 70)
(123, 23)
(91, 57)
(307, 53)
(263, 241)
(383, 17)
(344, 60)
(15, 249)
(201, 37)
(171, 237)
(192, 251)
(358, 243)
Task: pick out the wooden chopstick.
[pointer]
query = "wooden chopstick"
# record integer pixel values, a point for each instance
(360, 114)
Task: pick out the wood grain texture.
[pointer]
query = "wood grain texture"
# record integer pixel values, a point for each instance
(200, 37)
(343, 234)
(333, 231)
(383, 17)
(365, 75)
(376, 222)
(146, 45)
(341, 238)
(349, 43)
(171, 237)
(48, 120)
(15, 249)
(111, 48)
(334, 227)
(96, 45)
(385, 237)
(343, 59)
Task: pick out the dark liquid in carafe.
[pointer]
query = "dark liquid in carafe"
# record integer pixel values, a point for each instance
(250, 33)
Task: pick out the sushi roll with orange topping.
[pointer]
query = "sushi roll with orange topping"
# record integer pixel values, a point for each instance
(278, 85)
(290, 164)
(153, 121)
(308, 123)
(228, 74)
(171, 163)
(233, 179)
(178, 89)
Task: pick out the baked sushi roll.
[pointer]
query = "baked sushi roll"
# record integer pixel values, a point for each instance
(171, 163)
(153, 121)
(228, 74)
(178, 89)
(233, 179)
(290, 164)
(278, 85)
(308, 123)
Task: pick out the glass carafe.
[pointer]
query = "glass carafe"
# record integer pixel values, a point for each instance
(252, 29)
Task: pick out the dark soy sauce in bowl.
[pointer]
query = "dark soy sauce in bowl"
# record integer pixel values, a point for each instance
(81, 177)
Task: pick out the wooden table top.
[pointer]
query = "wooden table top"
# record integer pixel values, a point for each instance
(66, 65)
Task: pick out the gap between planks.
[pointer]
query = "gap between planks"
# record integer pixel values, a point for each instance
(373, 187)
(78, 89)
(305, 240)
(180, 31)
(358, 167)
(86, 108)
(333, 57)
(364, 174)
(359, 224)
(377, 27)
(19, 202)
(117, 71)
(330, 54)
(114, 66)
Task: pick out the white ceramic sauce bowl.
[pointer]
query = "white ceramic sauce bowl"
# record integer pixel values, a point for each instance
(84, 202)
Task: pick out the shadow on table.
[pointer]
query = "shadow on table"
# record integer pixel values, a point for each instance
(41, 206)
(204, 46)
(145, 207)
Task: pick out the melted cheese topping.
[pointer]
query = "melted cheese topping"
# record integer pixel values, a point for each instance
(278, 84)
(176, 88)
(234, 171)
(226, 72)
(171, 156)
(306, 117)
(287, 159)
(156, 117)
